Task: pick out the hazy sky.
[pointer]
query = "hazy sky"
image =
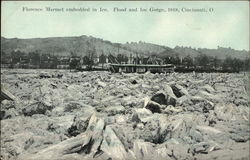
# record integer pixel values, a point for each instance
(226, 26)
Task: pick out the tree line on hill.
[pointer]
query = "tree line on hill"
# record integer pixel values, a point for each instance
(36, 59)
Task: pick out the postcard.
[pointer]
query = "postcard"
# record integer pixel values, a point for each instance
(127, 80)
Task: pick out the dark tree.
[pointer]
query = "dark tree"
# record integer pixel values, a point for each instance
(86, 60)
(215, 62)
(202, 60)
(187, 61)
(102, 59)
(236, 65)
(35, 58)
(167, 60)
(227, 64)
(246, 64)
(91, 55)
(73, 63)
(176, 60)
(44, 61)
(54, 61)
(16, 56)
(4, 57)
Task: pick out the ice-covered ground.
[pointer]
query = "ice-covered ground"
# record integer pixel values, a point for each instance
(59, 114)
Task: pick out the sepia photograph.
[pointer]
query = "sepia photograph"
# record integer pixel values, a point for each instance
(125, 80)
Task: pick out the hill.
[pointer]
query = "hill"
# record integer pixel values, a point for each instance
(81, 46)
(220, 52)
(63, 46)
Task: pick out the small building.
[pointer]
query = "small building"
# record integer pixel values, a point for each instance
(62, 66)
(63, 63)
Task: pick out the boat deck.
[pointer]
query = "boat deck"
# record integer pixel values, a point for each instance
(141, 68)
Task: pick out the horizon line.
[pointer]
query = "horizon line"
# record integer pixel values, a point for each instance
(195, 48)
